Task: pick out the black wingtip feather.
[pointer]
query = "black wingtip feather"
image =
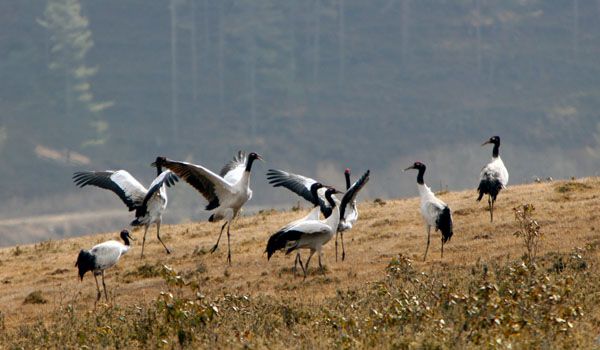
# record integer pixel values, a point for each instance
(444, 224)
(213, 204)
(136, 221)
(86, 261)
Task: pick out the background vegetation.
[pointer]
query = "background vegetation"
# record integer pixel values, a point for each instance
(315, 86)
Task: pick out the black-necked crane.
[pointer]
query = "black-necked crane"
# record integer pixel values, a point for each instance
(493, 176)
(226, 192)
(101, 257)
(149, 204)
(312, 215)
(435, 212)
(348, 209)
(307, 234)
(301, 185)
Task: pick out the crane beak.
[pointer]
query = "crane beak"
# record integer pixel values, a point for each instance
(410, 167)
(486, 142)
(259, 157)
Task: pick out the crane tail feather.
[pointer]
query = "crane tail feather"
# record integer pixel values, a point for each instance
(489, 186)
(444, 224)
(86, 261)
(280, 240)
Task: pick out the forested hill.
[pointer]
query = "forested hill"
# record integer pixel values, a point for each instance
(315, 86)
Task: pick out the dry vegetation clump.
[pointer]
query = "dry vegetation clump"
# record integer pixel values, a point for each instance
(508, 305)
(571, 186)
(35, 297)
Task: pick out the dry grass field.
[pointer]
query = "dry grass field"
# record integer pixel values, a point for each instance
(383, 294)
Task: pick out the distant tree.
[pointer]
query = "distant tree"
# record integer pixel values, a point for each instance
(71, 40)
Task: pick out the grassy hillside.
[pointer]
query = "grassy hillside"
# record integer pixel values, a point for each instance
(479, 294)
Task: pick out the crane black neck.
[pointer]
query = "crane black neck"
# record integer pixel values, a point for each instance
(249, 163)
(328, 195)
(314, 191)
(347, 174)
(420, 180)
(496, 150)
(158, 169)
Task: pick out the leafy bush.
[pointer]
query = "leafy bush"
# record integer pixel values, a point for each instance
(529, 230)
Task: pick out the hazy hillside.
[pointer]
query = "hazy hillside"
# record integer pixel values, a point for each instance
(314, 86)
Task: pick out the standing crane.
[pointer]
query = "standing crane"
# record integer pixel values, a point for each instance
(301, 185)
(101, 257)
(435, 212)
(493, 176)
(226, 192)
(308, 234)
(348, 209)
(149, 204)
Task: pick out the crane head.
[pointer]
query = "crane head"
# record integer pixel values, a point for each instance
(255, 155)
(494, 140)
(416, 165)
(158, 162)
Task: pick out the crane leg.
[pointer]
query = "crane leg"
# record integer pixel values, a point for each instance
(428, 236)
(158, 236)
(296, 261)
(97, 287)
(491, 205)
(343, 250)
(308, 262)
(335, 246)
(442, 247)
(104, 284)
(212, 250)
(321, 266)
(228, 245)
(144, 242)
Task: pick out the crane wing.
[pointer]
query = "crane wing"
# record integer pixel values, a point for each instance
(166, 177)
(209, 184)
(352, 192)
(301, 186)
(233, 171)
(432, 209)
(130, 191)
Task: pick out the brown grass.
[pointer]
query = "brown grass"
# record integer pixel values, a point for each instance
(566, 210)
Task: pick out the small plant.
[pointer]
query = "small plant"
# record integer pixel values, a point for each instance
(297, 207)
(400, 267)
(35, 298)
(529, 230)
